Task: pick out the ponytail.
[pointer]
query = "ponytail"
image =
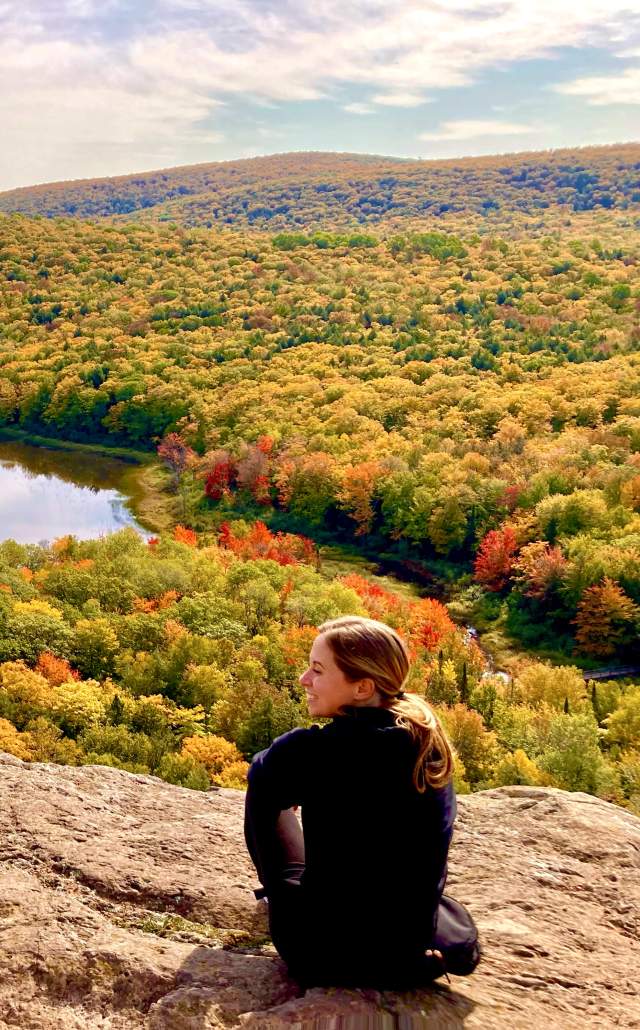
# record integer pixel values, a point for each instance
(434, 764)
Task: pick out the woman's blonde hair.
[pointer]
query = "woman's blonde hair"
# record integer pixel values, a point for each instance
(364, 648)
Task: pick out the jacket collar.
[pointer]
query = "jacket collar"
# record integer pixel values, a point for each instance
(374, 715)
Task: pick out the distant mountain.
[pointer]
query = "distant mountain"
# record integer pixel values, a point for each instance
(313, 190)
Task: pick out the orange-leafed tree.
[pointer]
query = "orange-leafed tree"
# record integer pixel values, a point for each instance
(296, 644)
(55, 670)
(605, 619)
(357, 491)
(260, 542)
(183, 535)
(431, 624)
(495, 557)
(283, 480)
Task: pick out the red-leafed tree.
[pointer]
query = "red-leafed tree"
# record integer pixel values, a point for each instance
(380, 603)
(495, 557)
(511, 496)
(221, 475)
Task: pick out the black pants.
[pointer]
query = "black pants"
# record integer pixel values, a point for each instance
(276, 845)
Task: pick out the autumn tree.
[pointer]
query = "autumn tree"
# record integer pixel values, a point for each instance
(221, 759)
(539, 569)
(623, 724)
(495, 558)
(630, 493)
(517, 768)
(538, 684)
(253, 470)
(180, 459)
(13, 742)
(220, 476)
(475, 745)
(259, 542)
(431, 623)
(357, 491)
(605, 620)
(55, 670)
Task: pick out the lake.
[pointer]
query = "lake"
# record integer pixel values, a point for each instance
(45, 494)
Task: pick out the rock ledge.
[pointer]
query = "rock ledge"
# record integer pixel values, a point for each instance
(128, 903)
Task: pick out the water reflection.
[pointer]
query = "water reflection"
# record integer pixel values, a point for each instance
(45, 494)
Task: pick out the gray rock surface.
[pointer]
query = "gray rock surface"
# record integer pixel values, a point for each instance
(128, 903)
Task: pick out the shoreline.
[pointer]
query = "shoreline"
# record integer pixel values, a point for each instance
(144, 490)
(142, 482)
(54, 443)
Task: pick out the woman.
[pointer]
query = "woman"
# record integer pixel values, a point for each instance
(353, 900)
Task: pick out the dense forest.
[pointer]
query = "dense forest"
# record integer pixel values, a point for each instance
(183, 660)
(473, 399)
(331, 191)
(449, 377)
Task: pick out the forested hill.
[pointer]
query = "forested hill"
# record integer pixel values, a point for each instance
(346, 191)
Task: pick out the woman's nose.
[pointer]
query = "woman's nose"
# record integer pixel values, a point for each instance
(305, 677)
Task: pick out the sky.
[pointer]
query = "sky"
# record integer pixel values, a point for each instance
(91, 88)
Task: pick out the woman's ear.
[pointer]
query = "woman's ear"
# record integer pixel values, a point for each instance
(365, 689)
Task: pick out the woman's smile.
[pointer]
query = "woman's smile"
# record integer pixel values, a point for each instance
(327, 689)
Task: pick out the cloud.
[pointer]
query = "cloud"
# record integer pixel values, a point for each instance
(77, 111)
(400, 99)
(402, 48)
(268, 132)
(475, 128)
(90, 86)
(358, 108)
(601, 90)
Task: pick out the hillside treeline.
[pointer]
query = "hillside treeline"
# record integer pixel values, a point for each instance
(472, 399)
(181, 658)
(321, 190)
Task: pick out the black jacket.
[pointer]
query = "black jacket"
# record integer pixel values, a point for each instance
(376, 849)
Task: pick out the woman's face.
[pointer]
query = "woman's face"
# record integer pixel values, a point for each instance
(326, 686)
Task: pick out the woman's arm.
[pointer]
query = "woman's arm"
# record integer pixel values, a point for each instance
(277, 780)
